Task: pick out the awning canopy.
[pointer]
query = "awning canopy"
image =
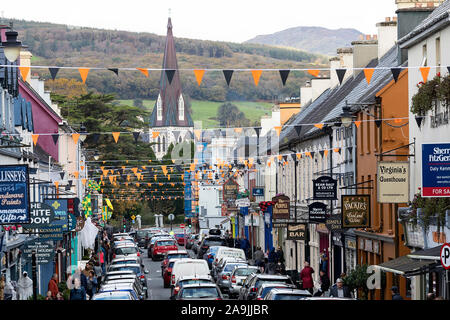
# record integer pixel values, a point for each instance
(427, 254)
(406, 266)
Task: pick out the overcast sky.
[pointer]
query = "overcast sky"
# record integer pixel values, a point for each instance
(224, 20)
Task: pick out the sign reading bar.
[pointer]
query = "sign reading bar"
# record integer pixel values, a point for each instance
(281, 208)
(334, 223)
(230, 192)
(296, 231)
(436, 170)
(14, 194)
(325, 188)
(393, 182)
(355, 211)
(317, 212)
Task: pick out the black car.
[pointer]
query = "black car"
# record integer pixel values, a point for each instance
(142, 237)
(210, 241)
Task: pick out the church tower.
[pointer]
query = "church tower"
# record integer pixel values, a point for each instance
(169, 116)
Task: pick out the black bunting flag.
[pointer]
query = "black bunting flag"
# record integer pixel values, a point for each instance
(62, 175)
(419, 121)
(258, 130)
(378, 123)
(170, 73)
(136, 135)
(298, 129)
(95, 137)
(53, 72)
(448, 68)
(55, 138)
(341, 73)
(115, 70)
(396, 73)
(284, 75)
(228, 74)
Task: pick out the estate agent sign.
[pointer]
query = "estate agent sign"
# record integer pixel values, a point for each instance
(436, 170)
(14, 194)
(356, 211)
(393, 182)
(325, 188)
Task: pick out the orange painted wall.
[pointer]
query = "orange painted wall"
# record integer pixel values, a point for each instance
(287, 110)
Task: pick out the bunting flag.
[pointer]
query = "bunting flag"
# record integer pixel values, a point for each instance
(53, 72)
(299, 156)
(155, 134)
(424, 71)
(419, 121)
(134, 170)
(55, 138)
(238, 130)
(340, 74)
(75, 137)
(325, 153)
(395, 73)
(83, 181)
(278, 130)
(82, 168)
(228, 74)
(357, 123)
(256, 75)
(284, 75)
(116, 136)
(115, 70)
(56, 184)
(378, 123)
(136, 136)
(199, 76)
(314, 73)
(76, 174)
(368, 73)
(307, 153)
(298, 129)
(170, 73)
(319, 125)
(83, 73)
(337, 149)
(35, 138)
(144, 71)
(95, 137)
(24, 71)
(111, 179)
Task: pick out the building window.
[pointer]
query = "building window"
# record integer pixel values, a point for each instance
(164, 144)
(438, 54)
(424, 55)
(181, 108)
(159, 144)
(159, 108)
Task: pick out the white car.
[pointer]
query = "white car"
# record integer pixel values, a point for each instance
(114, 295)
(188, 267)
(223, 252)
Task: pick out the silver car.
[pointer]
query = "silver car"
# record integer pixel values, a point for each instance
(287, 294)
(224, 274)
(127, 250)
(237, 279)
(127, 287)
(114, 295)
(141, 290)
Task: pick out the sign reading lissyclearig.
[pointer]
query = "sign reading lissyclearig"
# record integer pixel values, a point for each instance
(436, 170)
(393, 182)
(14, 194)
(355, 211)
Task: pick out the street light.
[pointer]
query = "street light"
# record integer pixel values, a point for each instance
(346, 116)
(11, 47)
(83, 133)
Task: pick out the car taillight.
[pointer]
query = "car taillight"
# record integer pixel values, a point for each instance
(225, 277)
(218, 299)
(173, 279)
(209, 256)
(138, 254)
(114, 256)
(254, 289)
(233, 279)
(142, 276)
(258, 298)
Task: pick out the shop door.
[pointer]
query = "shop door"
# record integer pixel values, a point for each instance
(337, 262)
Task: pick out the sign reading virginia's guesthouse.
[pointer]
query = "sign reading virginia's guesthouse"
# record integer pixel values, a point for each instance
(325, 188)
(14, 194)
(356, 211)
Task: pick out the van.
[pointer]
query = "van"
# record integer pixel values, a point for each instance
(235, 253)
(189, 267)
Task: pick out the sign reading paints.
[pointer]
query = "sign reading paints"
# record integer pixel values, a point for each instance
(393, 182)
(436, 170)
(14, 196)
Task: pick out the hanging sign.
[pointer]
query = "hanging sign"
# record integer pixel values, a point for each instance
(393, 182)
(14, 194)
(42, 215)
(258, 192)
(45, 251)
(281, 208)
(435, 170)
(80, 224)
(317, 212)
(296, 231)
(60, 207)
(355, 211)
(243, 202)
(334, 223)
(325, 188)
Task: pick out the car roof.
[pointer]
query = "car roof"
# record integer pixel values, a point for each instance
(291, 291)
(112, 293)
(106, 287)
(125, 280)
(176, 259)
(125, 259)
(125, 265)
(200, 285)
(327, 298)
(272, 284)
(271, 276)
(125, 244)
(192, 277)
(177, 251)
(122, 276)
(116, 272)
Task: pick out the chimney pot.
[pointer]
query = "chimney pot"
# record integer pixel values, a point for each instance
(367, 36)
(387, 19)
(361, 37)
(394, 18)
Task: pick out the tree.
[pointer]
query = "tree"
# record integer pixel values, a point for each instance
(138, 103)
(229, 115)
(66, 87)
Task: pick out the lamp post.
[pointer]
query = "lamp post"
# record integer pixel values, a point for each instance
(11, 47)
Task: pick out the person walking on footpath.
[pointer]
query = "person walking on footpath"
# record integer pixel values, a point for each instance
(259, 258)
(78, 292)
(340, 290)
(324, 284)
(91, 284)
(53, 285)
(272, 259)
(306, 277)
(395, 294)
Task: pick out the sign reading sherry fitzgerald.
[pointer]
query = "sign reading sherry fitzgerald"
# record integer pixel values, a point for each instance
(325, 188)
(281, 208)
(355, 211)
(436, 170)
(14, 194)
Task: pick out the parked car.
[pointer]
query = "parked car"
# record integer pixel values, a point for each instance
(267, 287)
(180, 237)
(127, 287)
(116, 273)
(135, 267)
(174, 254)
(209, 241)
(127, 251)
(224, 274)
(238, 277)
(186, 280)
(287, 294)
(327, 298)
(199, 291)
(220, 265)
(248, 292)
(188, 267)
(125, 260)
(141, 290)
(161, 246)
(114, 295)
(190, 240)
(153, 241)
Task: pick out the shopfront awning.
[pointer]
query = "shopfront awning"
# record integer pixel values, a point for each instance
(427, 254)
(405, 266)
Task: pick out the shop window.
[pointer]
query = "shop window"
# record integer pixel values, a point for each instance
(408, 288)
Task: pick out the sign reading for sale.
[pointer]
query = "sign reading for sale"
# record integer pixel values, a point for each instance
(436, 170)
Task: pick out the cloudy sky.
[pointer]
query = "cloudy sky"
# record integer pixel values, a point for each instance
(226, 20)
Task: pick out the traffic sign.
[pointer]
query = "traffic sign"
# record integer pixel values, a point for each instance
(445, 256)
(182, 226)
(171, 217)
(133, 217)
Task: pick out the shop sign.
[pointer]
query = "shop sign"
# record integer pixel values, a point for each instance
(60, 206)
(282, 223)
(42, 215)
(355, 211)
(317, 212)
(72, 222)
(45, 251)
(376, 246)
(80, 224)
(415, 235)
(351, 244)
(14, 194)
(248, 220)
(258, 192)
(281, 208)
(244, 202)
(368, 245)
(393, 182)
(334, 223)
(325, 188)
(435, 170)
(296, 231)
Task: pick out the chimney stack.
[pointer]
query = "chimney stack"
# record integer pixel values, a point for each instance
(363, 52)
(387, 35)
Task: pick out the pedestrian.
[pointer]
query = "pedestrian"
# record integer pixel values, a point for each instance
(395, 294)
(25, 287)
(237, 243)
(306, 277)
(49, 296)
(78, 292)
(272, 260)
(91, 284)
(324, 284)
(431, 296)
(59, 296)
(98, 274)
(83, 278)
(259, 257)
(340, 290)
(323, 264)
(280, 255)
(53, 285)
(102, 260)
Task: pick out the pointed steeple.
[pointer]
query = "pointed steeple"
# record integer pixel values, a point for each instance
(169, 110)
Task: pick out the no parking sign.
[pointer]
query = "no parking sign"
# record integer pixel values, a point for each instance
(445, 256)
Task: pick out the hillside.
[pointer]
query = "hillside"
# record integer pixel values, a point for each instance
(55, 44)
(312, 39)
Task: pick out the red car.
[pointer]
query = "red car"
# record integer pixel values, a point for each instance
(180, 238)
(167, 273)
(178, 254)
(162, 246)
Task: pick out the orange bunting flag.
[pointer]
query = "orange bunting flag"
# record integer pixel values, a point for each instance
(308, 154)
(299, 155)
(76, 173)
(182, 177)
(336, 149)
(56, 184)
(357, 123)
(144, 167)
(278, 130)
(149, 184)
(368, 73)
(75, 137)
(82, 168)
(83, 181)
(116, 136)
(325, 153)
(238, 130)
(397, 120)
(103, 168)
(138, 184)
(256, 75)
(111, 178)
(164, 169)
(83, 73)
(128, 177)
(144, 71)
(105, 172)
(168, 177)
(134, 170)
(280, 157)
(155, 134)
(424, 71)
(199, 76)
(35, 138)
(319, 125)
(192, 167)
(155, 176)
(314, 73)
(269, 163)
(24, 72)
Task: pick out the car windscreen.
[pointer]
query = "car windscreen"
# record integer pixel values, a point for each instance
(214, 242)
(261, 281)
(165, 243)
(120, 268)
(179, 235)
(288, 297)
(178, 255)
(113, 297)
(142, 233)
(242, 272)
(230, 267)
(266, 290)
(209, 292)
(124, 262)
(125, 250)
